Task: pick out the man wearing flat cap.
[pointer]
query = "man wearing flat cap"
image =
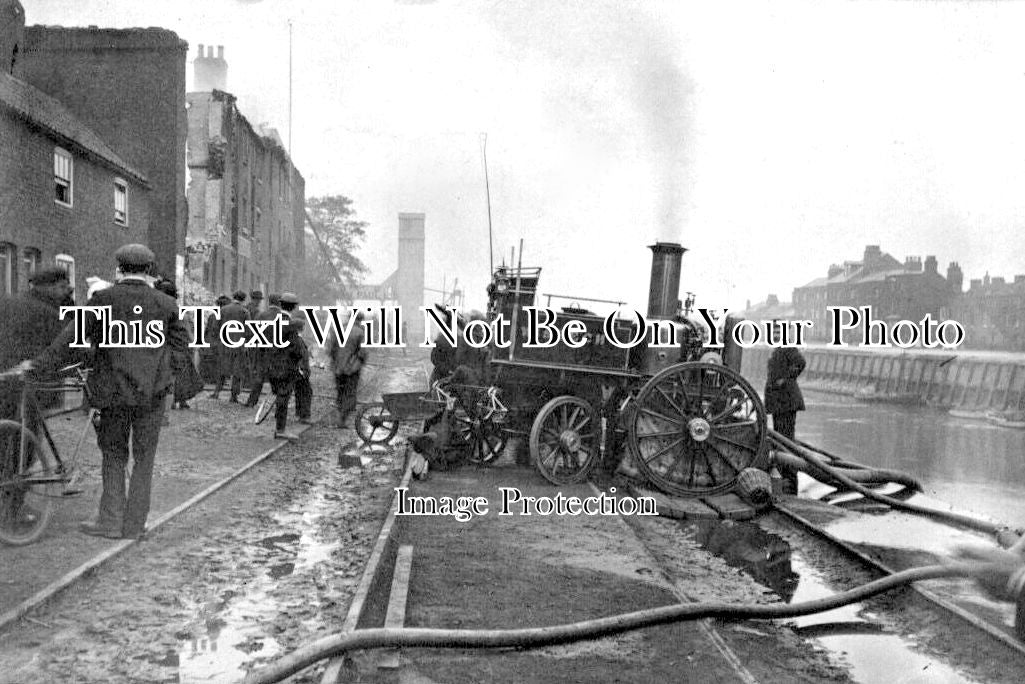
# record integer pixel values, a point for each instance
(30, 322)
(128, 385)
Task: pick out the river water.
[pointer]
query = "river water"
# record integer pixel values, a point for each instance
(976, 466)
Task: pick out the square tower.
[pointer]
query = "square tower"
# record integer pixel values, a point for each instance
(409, 283)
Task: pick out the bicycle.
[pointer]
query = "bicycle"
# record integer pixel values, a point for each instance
(32, 477)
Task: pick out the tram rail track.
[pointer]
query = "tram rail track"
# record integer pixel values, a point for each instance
(941, 603)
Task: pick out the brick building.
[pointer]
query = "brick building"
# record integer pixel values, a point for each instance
(247, 201)
(992, 312)
(67, 196)
(128, 86)
(769, 309)
(894, 290)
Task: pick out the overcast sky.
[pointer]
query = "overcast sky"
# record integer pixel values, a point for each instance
(769, 138)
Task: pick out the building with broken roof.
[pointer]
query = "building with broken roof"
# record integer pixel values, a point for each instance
(247, 201)
(895, 290)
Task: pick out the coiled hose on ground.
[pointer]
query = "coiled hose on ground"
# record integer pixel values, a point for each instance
(592, 629)
(829, 473)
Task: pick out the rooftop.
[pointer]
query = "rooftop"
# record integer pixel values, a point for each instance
(33, 105)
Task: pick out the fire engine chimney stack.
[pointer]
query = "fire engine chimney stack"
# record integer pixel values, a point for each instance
(664, 292)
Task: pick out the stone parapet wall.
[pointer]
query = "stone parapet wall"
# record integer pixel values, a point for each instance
(936, 379)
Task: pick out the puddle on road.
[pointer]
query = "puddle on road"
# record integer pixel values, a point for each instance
(227, 634)
(850, 632)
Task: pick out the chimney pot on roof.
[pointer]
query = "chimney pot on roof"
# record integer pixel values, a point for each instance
(220, 52)
(200, 50)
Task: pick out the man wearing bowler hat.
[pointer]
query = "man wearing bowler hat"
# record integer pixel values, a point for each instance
(128, 385)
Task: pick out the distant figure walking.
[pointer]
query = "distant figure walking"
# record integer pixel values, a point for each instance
(347, 361)
(233, 361)
(783, 399)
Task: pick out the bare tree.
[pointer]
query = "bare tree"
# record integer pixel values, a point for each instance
(333, 270)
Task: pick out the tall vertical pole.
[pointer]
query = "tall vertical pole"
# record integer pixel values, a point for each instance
(290, 88)
(487, 190)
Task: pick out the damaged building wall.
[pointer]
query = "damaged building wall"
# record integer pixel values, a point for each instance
(246, 199)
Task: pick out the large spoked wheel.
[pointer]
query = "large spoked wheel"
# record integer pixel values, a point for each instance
(375, 424)
(564, 440)
(484, 438)
(26, 497)
(694, 427)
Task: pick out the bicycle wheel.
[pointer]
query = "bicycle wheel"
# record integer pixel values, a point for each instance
(265, 408)
(26, 497)
(374, 424)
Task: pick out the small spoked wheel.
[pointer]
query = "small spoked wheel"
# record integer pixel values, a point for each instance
(694, 427)
(375, 424)
(26, 494)
(565, 439)
(484, 438)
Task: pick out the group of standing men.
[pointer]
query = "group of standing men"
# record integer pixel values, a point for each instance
(129, 385)
(286, 368)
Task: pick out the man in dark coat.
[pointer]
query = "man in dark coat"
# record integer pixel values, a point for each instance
(128, 385)
(187, 382)
(259, 371)
(282, 365)
(210, 356)
(783, 399)
(303, 389)
(233, 362)
(347, 361)
(444, 356)
(31, 321)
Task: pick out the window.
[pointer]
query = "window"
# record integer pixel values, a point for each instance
(63, 174)
(31, 260)
(120, 202)
(67, 262)
(6, 268)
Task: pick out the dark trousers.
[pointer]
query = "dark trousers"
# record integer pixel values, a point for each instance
(345, 392)
(117, 425)
(236, 385)
(785, 423)
(303, 397)
(282, 388)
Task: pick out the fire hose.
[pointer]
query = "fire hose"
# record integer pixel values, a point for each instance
(804, 458)
(999, 575)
